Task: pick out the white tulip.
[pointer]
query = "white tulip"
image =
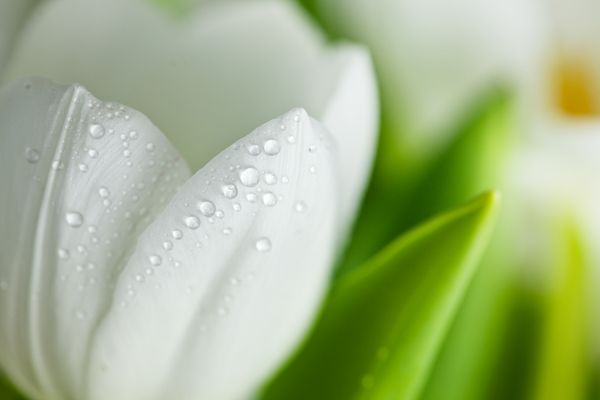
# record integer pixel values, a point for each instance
(122, 277)
(437, 58)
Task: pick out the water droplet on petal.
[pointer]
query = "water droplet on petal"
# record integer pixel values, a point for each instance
(127, 153)
(254, 150)
(312, 169)
(63, 253)
(155, 259)
(312, 148)
(270, 178)
(229, 191)
(192, 222)
(285, 179)
(297, 118)
(237, 207)
(227, 231)
(207, 208)
(103, 192)
(150, 146)
(168, 245)
(291, 139)
(93, 153)
(272, 147)
(83, 168)
(300, 207)
(133, 135)
(97, 131)
(269, 199)
(177, 234)
(140, 278)
(74, 219)
(251, 197)
(250, 177)
(32, 156)
(263, 245)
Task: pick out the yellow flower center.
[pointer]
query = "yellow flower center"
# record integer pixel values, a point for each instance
(575, 87)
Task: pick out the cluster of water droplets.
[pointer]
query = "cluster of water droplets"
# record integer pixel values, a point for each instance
(213, 217)
(111, 180)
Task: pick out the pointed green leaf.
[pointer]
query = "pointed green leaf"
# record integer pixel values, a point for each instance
(383, 324)
(564, 357)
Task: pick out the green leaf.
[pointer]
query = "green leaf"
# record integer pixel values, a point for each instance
(7, 392)
(382, 325)
(401, 195)
(564, 362)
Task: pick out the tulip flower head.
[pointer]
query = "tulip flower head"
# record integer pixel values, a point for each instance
(124, 274)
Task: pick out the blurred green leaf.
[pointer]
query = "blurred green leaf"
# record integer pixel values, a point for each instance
(564, 364)
(400, 197)
(382, 326)
(7, 392)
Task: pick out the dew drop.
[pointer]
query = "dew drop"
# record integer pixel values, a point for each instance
(168, 245)
(300, 207)
(97, 131)
(270, 178)
(250, 177)
(227, 231)
(127, 153)
(312, 148)
(291, 139)
(254, 150)
(155, 259)
(263, 245)
(237, 207)
(56, 165)
(93, 153)
(285, 179)
(133, 135)
(269, 199)
(312, 169)
(297, 118)
(251, 197)
(150, 146)
(32, 156)
(83, 167)
(177, 234)
(207, 208)
(219, 214)
(103, 192)
(149, 271)
(272, 147)
(63, 253)
(229, 191)
(74, 219)
(140, 278)
(192, 222)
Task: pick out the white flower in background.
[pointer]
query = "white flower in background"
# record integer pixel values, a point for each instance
(437, 58)
(122, 277)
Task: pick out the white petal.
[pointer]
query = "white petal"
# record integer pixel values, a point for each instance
(230, 293)
(205, 79)
(435, 58)
(352, 117)
(12, 15)
(80, 180)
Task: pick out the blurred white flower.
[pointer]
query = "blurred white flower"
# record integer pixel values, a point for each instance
(122, 277)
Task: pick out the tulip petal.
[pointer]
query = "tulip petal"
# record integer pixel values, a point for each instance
(224, 69)
(352, 117)
(224, 283)
(436, 58)
(80, 181)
